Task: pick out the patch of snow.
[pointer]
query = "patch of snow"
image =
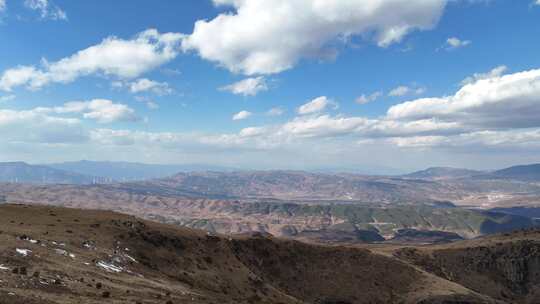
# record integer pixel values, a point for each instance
(64, 253)
(109, 267)
(2, 267)
(89, 245)
(23, 252)
(130, 258)
(61, 252)
(134, 273)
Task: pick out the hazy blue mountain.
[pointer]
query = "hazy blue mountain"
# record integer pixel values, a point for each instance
(126, 171)
(443, 173)
(527, 172)
(21, 172)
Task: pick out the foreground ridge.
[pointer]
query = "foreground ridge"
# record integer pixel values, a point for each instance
(59, 255)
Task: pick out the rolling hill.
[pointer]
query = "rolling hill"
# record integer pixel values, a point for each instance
(332, 222)
(57, 256)
(300, 185)
(504, 266)
(525, 172)
(443, 173)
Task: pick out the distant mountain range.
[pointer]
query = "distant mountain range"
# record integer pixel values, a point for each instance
(297, 204)
(87, 172)
(92, 172)
(438, 173)
(127, 171)
(20, 172)
(526, 172)
(295, 185)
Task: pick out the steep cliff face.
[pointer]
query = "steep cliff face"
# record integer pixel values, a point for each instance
(503, 269)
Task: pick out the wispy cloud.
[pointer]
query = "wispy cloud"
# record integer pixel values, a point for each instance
(46, 9)
(278, 111)
(6, 98)
(406, 90)
(150, 103)
(145, 85)
(363, 99)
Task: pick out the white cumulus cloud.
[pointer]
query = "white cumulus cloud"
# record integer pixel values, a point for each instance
(496, 72)
(317, 105)
(454, 43)
(247, 87)
(101, 110)
(147, 85)
(37, 126)
(241, 115)
(490, 112)
(112, 57)
(323, 126)
(511, 100)
(252, 132)
(265, 37)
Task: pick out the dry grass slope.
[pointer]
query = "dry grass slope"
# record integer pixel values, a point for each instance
(58, 255)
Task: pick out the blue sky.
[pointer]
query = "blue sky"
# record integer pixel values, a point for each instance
(371, 86)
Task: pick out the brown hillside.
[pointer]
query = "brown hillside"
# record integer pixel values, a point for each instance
(56, 255)
(505, 267)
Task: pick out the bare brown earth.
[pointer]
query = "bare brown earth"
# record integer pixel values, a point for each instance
(464, 188)
(56, 255)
